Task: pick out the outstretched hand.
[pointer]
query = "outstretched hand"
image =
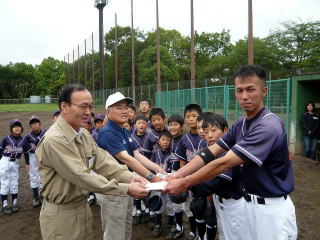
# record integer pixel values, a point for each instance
(137, 190)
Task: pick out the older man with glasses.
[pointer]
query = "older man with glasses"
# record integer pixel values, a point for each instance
(67, 155)
(116, 211)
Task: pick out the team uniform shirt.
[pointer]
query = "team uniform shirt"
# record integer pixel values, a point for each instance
(95, 133)
(262, 143)
(115, 139)
(150, 141)
(139, 140)
(14, 147)
(310, 122)
(189, 145)
(33, 139)
(226, 185)
(162, 158)
(173, 148)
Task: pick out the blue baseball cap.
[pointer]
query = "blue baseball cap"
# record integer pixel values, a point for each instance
(99, 116)
(57, 112)
(34, 118)
(15, 121)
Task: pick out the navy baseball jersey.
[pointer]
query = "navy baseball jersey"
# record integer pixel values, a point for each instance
(33, 139)
(150, 141)
(115, 139)
(189, 145)
(139, 140)
(14, 147)
(162, 158)
(226, 185)
(173, 147)
(261, 143)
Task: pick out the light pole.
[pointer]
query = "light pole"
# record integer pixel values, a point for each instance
(100, 4)
(250, 33)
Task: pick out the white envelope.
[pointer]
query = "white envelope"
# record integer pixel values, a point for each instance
(156, 186)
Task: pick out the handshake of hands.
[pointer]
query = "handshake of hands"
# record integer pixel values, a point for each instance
(171, 184)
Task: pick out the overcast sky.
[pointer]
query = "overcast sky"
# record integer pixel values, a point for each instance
(36, 29)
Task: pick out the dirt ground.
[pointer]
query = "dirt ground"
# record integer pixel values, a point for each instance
(25, 224)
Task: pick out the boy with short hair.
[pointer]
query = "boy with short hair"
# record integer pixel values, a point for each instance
(157, 121)
(32, 139)
(188, 146)
(228, 201)
(139, 135)
(175, 126)
(144, 106)
(131, 115)
(98, 122)
(11, 149)
(161, 155)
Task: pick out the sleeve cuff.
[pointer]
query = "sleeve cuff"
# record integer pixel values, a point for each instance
(126, 177)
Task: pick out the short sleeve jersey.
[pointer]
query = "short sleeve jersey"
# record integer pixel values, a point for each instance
(139, 140)
(150, 141)
(162, 158)
(14, 147)
(261, 143)
(189, 145)
(173, 147)
(33, 139)
(115, 139)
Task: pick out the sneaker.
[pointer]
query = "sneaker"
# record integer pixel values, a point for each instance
(174, 234)
(15, 208)
(145, 217)
(7, 210)
(151, 222)
(190, 236)
(157, 231)
(136, 219)
(36, 202)
(92, 200)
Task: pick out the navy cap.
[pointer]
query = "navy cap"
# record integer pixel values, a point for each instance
(34, 117)
(99, 116)
(56, 113)
(15, 121)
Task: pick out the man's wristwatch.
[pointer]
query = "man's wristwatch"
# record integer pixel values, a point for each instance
(149, 176)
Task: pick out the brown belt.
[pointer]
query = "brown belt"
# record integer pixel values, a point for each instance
(63, 207)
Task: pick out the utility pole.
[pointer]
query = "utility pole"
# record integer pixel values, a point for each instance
(133, 65)
(250, 33)
(158, 51)
(116, 52)
(193, 68)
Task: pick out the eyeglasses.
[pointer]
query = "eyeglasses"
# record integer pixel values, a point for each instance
(84, 107)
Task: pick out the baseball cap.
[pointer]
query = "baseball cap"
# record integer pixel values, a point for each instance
(154, 202)
(15, 121)
(34, 117)
(99, 116)
(117, 97)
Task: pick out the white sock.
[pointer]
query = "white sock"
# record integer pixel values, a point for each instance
(5, 203)
(152, 213)
(192, 234)
(14, 202)
(146, 210)
(138, 213)
(179, 228)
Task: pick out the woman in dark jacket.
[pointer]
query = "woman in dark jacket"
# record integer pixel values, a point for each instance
(310, 123)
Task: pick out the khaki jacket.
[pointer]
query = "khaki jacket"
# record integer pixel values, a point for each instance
(65, 162)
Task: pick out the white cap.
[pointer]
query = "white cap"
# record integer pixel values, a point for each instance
(117, 97)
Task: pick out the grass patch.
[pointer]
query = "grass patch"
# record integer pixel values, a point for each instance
(46, 107)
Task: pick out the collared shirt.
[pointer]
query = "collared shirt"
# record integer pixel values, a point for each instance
(65, 163)
(115, 139)
(189, 145)
(95, 133)
(262, 143)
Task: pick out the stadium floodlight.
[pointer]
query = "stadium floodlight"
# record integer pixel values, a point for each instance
(100, 3)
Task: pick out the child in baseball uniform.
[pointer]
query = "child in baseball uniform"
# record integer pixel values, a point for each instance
(139, 135)
(98, 122)
(32, 139)
(161, 155)
(11, 149)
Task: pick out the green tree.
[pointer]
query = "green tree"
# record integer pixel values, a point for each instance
(147, 65)
(50, 76)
